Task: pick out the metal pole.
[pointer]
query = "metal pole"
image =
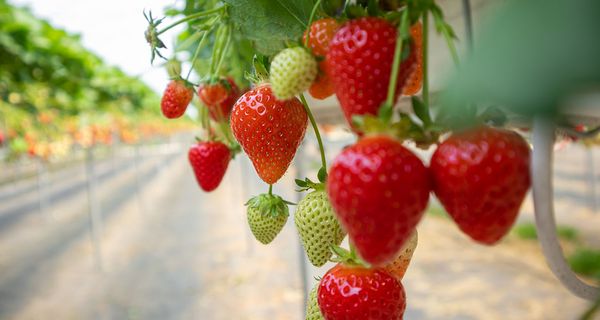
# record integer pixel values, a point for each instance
(592, 175)
(94, 208)
(468, 18)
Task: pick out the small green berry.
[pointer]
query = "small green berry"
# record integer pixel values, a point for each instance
(318, 227)
(293, 70)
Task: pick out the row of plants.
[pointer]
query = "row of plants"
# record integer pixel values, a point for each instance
(56, 95)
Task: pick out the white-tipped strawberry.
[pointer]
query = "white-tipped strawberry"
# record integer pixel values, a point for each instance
(293, 70)
(398, 266)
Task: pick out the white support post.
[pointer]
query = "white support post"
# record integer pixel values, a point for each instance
(543, 198)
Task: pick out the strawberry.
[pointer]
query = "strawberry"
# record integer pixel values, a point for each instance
(379, 191)
(211, 94)
(322, 87)
(209, 160)
(398, 266)
(313, 312)
(415, 81)
(292, 71)
(481, 177)
(318, 227)
(267, 214)
(356, 292)
(269, 130)
(176, 98)
(321, 33)
(359, 61)
(219, 105)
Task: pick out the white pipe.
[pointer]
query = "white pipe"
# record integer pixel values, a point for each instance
(543, 199)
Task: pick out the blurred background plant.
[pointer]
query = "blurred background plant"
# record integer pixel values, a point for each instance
(56, 95)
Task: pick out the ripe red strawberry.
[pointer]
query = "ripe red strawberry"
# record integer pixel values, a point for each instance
(359, 61)
(355, 292)
(268, 130)
(321, 33)
(209, 160)
(212, 94)
(379, 191)
(481, 176)
(219, 98)
(176, 98)
(415, 81)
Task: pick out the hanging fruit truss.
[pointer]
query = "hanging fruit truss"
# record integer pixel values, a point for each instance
(253, 61)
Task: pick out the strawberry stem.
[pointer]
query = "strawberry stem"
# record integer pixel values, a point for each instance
(196, 53)
(310, 21)
(215, 57)
(270, 189)
(425, 51)
(223, 52)
(206, 122)
(317, 133)
(192, 17)
(391, 94)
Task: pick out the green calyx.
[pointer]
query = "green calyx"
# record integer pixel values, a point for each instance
(418, 128)
(151, 35)
(269, 204)
(346, 257)
(186, 82)
(260, 74)
(308, 184)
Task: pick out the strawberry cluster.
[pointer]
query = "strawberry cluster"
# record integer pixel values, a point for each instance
(377, 190)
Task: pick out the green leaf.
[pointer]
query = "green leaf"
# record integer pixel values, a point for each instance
(512, 57)
(333, 8)
(269, 24)
(355, 11)
(301, 183)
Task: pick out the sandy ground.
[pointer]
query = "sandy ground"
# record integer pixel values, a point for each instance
(173, 252)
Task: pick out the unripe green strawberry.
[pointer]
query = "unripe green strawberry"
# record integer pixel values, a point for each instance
(267, 214)
(313, 312)
(293, 70)
(318, 227)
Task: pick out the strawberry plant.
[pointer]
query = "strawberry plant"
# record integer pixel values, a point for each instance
(369, 54)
